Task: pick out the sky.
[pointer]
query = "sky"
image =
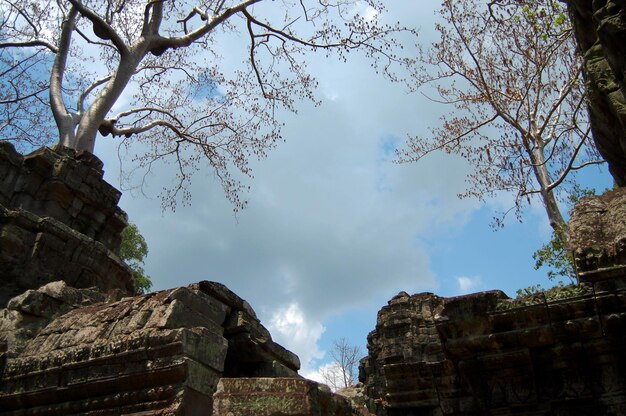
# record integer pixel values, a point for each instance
(333, 228)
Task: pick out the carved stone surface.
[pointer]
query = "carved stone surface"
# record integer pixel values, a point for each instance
(598, 236)
(161, 353)
(59, 220)
(278, 396)
(600, 28)
(479, 354)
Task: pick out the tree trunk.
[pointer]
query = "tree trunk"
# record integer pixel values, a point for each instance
(65, 121)
(555, 217)
(92, 118)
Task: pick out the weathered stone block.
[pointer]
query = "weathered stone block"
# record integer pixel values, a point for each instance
(600, 29)
(161, 353)
(544, 358)
(277, 396)
(51, 230)
(598, 236)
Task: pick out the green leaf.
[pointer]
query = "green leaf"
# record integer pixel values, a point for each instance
(133, 251)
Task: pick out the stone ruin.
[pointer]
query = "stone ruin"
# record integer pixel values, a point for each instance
(487, 354)
(600, 29)
(480, 355)
(74, 339)
(59, 220)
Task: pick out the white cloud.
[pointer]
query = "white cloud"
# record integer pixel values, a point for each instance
(370, 13)
(329, 374)
(289, 326)
(332, 223)
(468, 284)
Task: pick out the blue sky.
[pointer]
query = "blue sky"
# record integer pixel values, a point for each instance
(333, 228)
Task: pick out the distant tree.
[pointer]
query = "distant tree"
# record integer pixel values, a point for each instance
(133, 251)
(150, 70)
(343, 371)
(510, 71)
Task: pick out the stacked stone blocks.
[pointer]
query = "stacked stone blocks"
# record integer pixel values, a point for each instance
(59, 220)
(162, 353)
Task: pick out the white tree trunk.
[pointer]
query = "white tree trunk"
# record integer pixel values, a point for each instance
(98, 110)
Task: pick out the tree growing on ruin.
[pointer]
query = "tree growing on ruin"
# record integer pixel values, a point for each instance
(133, 251)
(510, 71)
(343, 370)
(150, 71)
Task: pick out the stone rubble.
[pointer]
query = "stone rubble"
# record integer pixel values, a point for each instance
(279, 396)
(161, 353)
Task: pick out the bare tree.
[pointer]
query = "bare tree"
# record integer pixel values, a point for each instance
(510, 71)
(150, 70)
(343, 370)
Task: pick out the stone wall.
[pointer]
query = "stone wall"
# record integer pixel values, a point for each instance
(600, 28)
(487, 354)
(59, 220)
(598, 238)
(65, 185)
(68, 347)
(161, 353)
(279, 396)
(480, 354)
(195, 350)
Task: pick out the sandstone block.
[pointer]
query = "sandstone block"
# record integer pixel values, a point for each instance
(277, 396)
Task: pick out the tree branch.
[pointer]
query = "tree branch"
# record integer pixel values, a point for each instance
(126, 113)
(100, 27)
(283, 34)
(28, 44)
(152, 21)
(83, 96)
(570, 165)
(456, 138)
(128, 131)
(161, 43)
(25, 97)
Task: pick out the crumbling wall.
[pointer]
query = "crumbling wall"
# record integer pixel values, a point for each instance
(161, 353)
(492, 357)
(600, 28)
(279, 396)
(59, 220)
(68, 347)
(487, 354)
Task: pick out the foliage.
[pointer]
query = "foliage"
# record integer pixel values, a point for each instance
(151, 73)
(133, 251)
(510, 70)
(555, 254)
(528, 291)
(343, 371)
(537, 294)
